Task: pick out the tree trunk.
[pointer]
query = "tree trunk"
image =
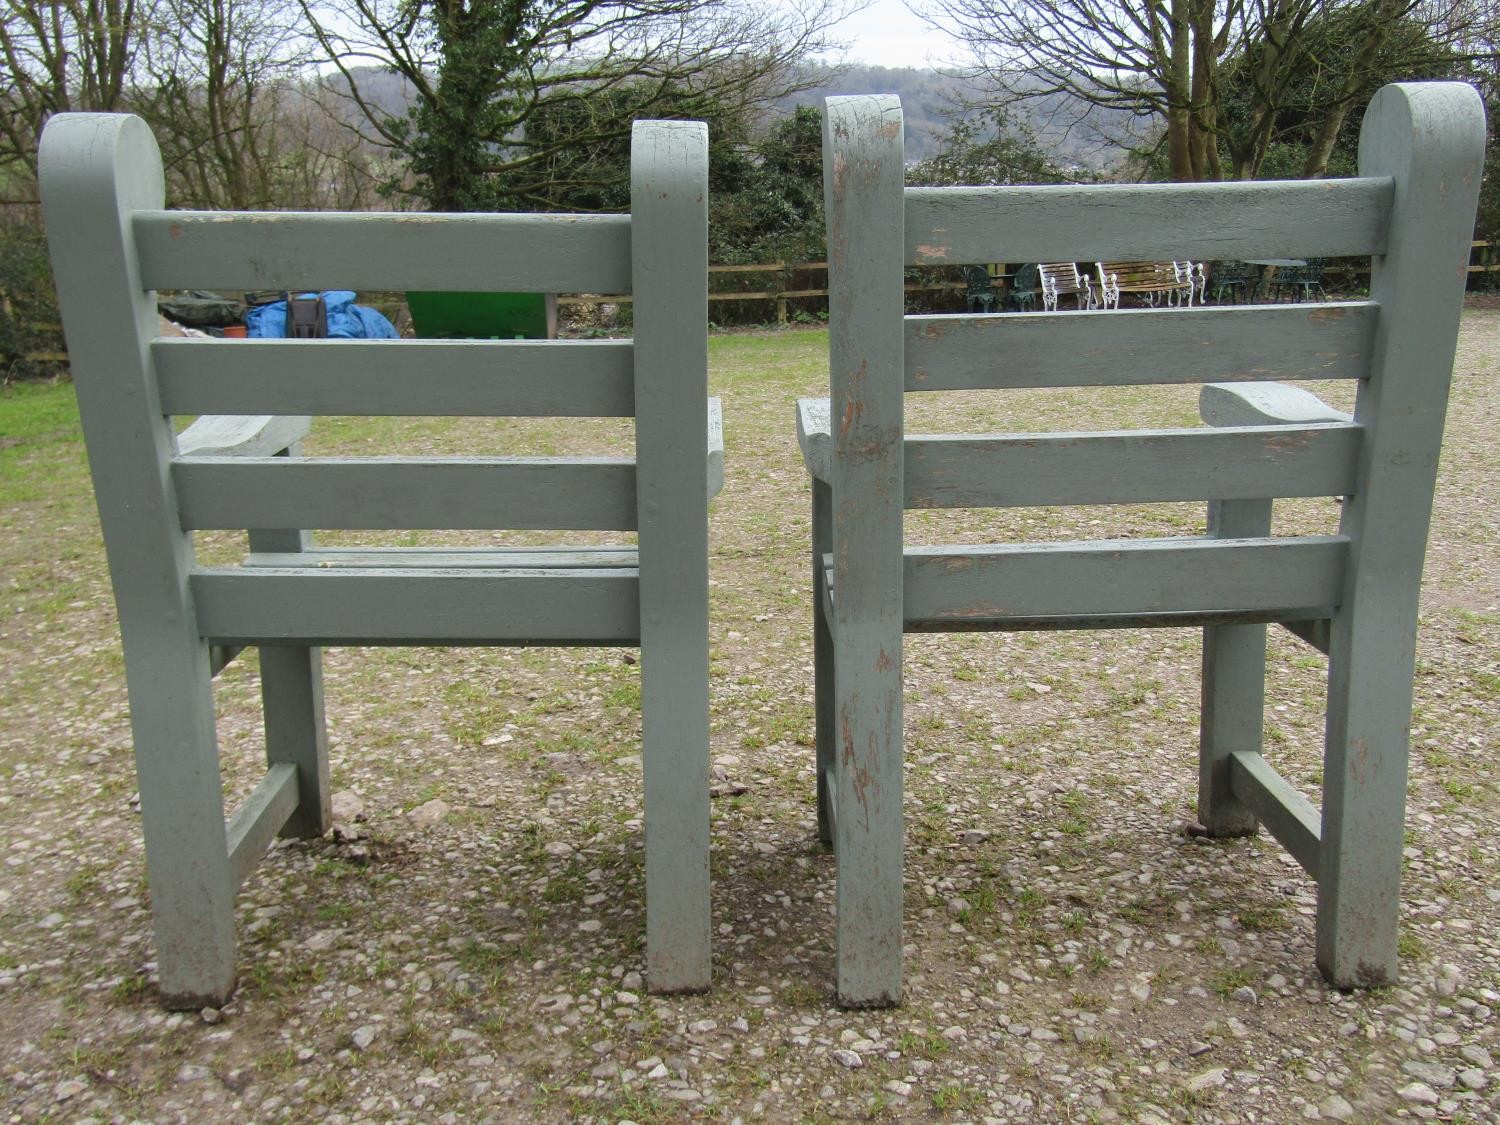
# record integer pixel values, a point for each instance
(1179, 87)
(1385, 15)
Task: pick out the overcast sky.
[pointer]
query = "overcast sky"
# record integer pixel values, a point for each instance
(887, 34)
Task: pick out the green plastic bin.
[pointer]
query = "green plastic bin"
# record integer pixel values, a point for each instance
(483, 316)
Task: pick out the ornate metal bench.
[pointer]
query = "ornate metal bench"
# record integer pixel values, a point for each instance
(113, 243)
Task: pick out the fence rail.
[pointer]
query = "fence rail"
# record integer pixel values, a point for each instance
(1481, 249)
(1488, 262)
(780, 296)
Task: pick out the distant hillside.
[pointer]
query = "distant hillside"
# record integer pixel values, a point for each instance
(929, 99)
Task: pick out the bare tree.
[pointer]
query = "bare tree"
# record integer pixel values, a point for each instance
(63, 55)
(1204, 76)
(218, 85)
(1130, 65)
(321, 163)
(479, 73)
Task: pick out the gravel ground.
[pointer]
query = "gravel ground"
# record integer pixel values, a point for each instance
(468, 944)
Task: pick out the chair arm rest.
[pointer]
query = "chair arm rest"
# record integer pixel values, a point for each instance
(715, 447)
(815, 436)
(237, 435)
(1263, 404)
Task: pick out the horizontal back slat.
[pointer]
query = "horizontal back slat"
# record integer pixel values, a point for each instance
(580, 494)
(1131, 466)
(1288, 577)
(1136, 346)
(1293, 218)
(383, 250)
(418, 607)
(572, 378)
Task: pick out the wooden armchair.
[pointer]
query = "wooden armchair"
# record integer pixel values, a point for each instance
(1351, 594)
(112, 243)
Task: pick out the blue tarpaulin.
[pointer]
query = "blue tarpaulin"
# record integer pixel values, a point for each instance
(346, 320)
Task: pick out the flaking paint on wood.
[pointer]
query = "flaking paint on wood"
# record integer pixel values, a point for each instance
(112, 243)
(1352, 594)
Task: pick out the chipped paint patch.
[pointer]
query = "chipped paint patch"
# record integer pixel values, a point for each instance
(1359, 762)
(1287, 442)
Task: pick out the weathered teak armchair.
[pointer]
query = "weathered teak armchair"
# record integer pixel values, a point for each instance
(1352, 594)
(113, 243)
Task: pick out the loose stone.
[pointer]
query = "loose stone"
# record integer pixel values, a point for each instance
(1418, 1093)
(1439, 1077)
(1214, 1077)
(1473, 1053)
(430, 814)
(1337, 1108)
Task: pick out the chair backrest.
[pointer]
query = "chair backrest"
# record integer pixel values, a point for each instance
(1061, 277)
(1420, 143)
(1231, 272)
(1309, 274)
(114, 242)
(1129, 275)
(978, 279)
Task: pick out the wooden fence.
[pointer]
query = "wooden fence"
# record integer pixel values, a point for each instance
(1482, 259)
(785, 271)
